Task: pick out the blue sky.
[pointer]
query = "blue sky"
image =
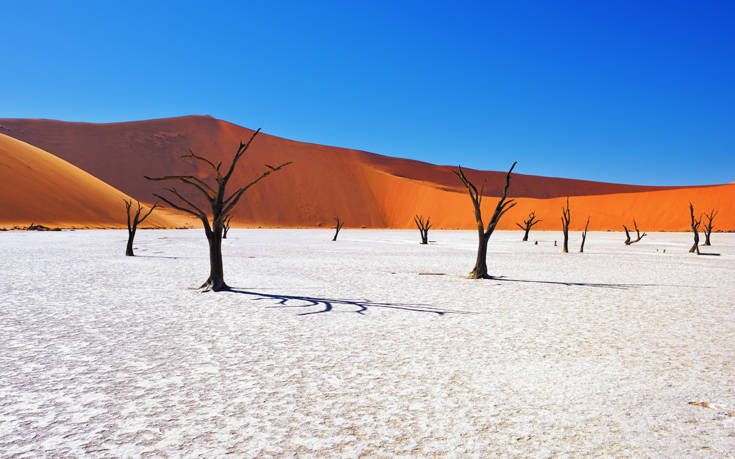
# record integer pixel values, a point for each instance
(634, 92)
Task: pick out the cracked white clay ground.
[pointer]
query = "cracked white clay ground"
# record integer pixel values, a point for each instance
(618, 351)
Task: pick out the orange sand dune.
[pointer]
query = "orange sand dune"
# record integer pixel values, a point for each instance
(364, 189)
(37, 187)
(661, 210)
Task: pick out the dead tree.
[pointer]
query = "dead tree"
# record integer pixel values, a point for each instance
(34, 227)
(337, 227)
(503, 206)
(639, 236)
(134, 222)
(566, 217)
(695, 229)
(709, 225)
(584, 235)
(423, 226)
(221, 205)
(226, 226)
(528, 224)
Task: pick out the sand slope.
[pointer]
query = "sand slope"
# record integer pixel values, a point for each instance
(364, 189)
(37, 187)
(660, 210)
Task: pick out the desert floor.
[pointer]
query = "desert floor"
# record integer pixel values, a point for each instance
(349, 347)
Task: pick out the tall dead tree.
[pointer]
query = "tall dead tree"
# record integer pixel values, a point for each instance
(221, 205)
(338, 227)
(695, 229)
(639, 236)
(226, 226)
(584, 235)
(566, 217)
(423, 226)
(709, 225)
(503, 206)
(528, 224)
(133, 221)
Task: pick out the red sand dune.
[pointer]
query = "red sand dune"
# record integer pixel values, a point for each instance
(37, 187)
(660, 210)
(364, 189)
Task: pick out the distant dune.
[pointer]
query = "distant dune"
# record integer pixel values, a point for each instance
(364, 189)
(660, 210)
(37, 187)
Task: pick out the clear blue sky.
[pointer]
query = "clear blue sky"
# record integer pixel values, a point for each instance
(635, 92)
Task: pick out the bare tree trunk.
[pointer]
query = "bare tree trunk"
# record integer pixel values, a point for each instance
(338, 227)
(216, 281)
(566, 217)
(129, 247)
(480, 269)
(695, 230)
(627, 235)
(528, 224)
(503, 206)
(423, 226)
(226, 226)
(639, 236)
(695, 246)
(709, 226)
(133, 221)
(584, 235)
(221, 205)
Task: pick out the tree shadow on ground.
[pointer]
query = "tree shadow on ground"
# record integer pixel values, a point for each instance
(584, 284)
(327, 304)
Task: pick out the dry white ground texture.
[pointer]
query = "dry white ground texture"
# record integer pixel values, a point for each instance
(371, 345)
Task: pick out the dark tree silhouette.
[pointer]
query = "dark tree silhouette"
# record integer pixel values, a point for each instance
(639, 236)
(337, 227)
(220, 203)
(528, 224)
(503, 206)
(423, 226)
(134, 222)
(709, 226)
(34, 227)
(226, 226)
(566, 217)
(695, 229)
(584, 235)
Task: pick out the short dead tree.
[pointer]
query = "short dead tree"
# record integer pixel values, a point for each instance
(337, 227)
(639, 236)
(133, 221)
(423, 226)
(695, 229)
(221, 205)
(709, 226)
(584, 235)
(226, 226)
(34, 227)
(503, 206)
(566, 218)
(528, 224)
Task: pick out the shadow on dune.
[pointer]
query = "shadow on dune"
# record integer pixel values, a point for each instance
(327, 304)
